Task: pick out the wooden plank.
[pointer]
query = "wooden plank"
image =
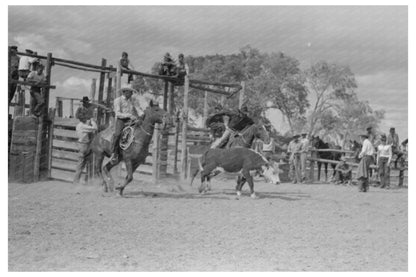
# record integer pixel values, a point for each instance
(332, 150)
(25, 133)
(66, 122)
(65, 155)
(57, 132)
(65, 145)
(65, 164)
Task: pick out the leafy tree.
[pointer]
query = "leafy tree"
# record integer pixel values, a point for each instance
(328, 84)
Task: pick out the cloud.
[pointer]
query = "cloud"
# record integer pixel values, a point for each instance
(73, 87)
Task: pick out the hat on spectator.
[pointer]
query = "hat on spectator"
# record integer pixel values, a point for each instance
(127, 87)
(392, 129)
(364, 135)
(85, 99)
(296, 136)
(383, 137)
(13, 47)
(29, 51)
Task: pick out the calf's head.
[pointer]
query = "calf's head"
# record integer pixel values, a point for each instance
(270, 174)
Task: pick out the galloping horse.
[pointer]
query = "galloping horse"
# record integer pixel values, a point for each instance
(335, 156)
(134, 155)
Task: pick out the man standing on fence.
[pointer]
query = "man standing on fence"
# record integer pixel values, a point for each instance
(367, 159)
(125, 113)
(86, 110)
(85, 130)
(303, 155)
(13, 71)
(36, 99)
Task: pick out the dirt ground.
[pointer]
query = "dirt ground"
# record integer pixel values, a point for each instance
(54, 226)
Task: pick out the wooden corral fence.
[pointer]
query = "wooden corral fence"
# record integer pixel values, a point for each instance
(56, 147)
(314, 160)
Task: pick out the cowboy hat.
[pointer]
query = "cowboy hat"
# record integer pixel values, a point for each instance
(127, 87)
(85, 99)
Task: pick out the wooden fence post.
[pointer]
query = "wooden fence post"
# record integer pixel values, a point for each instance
(177, 130)
(184, 128)
(71, 108)
(117, 81)
(52, 112)
(241, 95)
(101, 92)
(109, 96)
(205, 116)
(165, 96)
(155, 154)
(38, 152)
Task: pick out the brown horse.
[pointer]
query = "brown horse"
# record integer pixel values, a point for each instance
(134, 155)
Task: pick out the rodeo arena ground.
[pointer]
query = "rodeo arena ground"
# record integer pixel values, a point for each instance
(138, 211)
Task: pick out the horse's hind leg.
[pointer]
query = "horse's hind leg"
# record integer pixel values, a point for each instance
(240, 182)
(326, 171)
(98, 170)
(107, 178)
(129, 177)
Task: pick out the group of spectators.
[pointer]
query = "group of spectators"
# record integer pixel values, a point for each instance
(27, 69)
(381, 151)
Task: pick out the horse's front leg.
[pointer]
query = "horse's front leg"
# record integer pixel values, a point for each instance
(128, 179)
(240, 182)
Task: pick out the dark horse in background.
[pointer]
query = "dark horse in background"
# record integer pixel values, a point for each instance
(318, 143)
(135, 154)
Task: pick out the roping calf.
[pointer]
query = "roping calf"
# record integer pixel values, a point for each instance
(235, 160)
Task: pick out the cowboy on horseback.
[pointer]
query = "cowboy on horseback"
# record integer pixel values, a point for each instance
(234, 123)
(125, 113)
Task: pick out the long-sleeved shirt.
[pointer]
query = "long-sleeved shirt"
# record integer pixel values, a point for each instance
(84, 130)
(384, 151)
(393, 140)
(304, 145)
(367, 149)
(25, 62)
(124, 108)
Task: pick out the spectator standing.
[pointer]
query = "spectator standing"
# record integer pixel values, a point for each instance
(36, 99)
(84, 129)
(402, 164)
(393, 140)
(294, 159)
(384, 156)
(303, 154)
(14, 60)
(367, 159)
(25, 65)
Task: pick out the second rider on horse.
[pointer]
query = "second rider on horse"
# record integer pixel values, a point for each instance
(234, 122)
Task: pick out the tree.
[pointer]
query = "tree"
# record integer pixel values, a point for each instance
(282, 83)
(348, 119)
(328, 84)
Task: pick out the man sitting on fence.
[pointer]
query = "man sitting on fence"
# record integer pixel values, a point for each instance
(85, 129)
(125, 112)
(36, 99)
(343, 172)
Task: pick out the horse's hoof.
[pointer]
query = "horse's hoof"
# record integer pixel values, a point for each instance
(238, 193)
(254, 196)
(119, 191)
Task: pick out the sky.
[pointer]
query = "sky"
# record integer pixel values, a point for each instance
(371, 40)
